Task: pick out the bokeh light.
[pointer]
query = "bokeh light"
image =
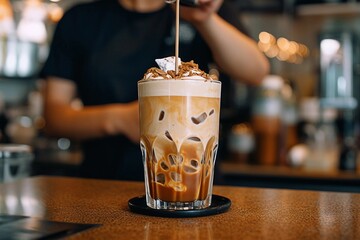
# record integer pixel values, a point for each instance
(282, 49)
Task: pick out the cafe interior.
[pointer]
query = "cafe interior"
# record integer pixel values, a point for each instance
(300, 133)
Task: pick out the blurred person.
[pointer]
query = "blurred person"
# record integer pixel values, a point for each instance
(101, 49)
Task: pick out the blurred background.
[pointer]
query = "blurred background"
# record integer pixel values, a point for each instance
(301, 125)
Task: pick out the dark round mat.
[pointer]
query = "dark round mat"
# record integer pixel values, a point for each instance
(218, 205)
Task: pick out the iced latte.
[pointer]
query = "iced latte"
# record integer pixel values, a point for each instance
(179, 127)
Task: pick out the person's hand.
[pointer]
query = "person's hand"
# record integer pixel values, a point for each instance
(200, 13)
(130, 119)
(124, 120)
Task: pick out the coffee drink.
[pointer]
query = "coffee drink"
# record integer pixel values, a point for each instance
(179, 127)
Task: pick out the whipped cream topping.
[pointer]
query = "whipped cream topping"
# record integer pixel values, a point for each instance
(166, 70)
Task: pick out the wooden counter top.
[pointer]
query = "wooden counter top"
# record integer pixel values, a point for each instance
(255, 213)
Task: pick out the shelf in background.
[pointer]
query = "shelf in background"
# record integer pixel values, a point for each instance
(289, 178)
(15, 91)
(328, 9)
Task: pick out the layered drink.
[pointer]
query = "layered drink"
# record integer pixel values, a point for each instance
(179, 127)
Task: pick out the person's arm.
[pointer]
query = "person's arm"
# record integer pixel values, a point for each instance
(234, 52)
(88, 122)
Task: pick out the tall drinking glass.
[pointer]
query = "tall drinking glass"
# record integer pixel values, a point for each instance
(179, 128)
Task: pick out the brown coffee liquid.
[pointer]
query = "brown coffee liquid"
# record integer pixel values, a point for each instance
(179, 139)
(267, 130)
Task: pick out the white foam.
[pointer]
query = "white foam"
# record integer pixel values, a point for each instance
(198, 88)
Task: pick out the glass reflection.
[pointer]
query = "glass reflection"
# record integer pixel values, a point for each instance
(179, 231)
(20, 200)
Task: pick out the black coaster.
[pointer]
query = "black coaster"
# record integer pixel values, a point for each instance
(218, 205)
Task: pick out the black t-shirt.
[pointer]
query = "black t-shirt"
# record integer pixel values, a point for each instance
(105, 49)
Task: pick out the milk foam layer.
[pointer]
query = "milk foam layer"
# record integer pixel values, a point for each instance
(198, 88)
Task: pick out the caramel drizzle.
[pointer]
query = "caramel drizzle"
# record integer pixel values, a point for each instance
(190, 68)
